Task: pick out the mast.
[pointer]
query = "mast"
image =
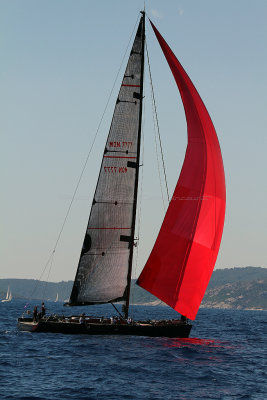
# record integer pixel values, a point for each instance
(129, 276)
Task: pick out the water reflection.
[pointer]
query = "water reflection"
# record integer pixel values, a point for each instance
(196, 351)
(193, 342)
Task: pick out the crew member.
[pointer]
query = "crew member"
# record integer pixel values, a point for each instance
(42, 310)
(35, 313)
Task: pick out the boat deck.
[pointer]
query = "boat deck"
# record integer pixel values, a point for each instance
(106, 326)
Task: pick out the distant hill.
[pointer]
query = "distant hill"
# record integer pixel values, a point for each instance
(34, 289)
(236, 288)
(234, 275)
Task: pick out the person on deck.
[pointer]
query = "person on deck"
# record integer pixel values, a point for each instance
(35, 313)
(42, 310)
(82, 319)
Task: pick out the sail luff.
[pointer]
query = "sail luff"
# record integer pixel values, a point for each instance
(182, 260)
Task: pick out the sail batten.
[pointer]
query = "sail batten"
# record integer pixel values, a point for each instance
(103, 270)
(182, 260)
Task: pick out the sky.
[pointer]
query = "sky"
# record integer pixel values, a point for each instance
(59, 61)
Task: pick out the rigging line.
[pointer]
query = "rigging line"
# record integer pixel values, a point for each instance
(42, 273)
(92, 145)
(158, 164)
(157, 155)
(141, 180)
(117, 310)
(89, 153)
(157, 123)
(47, 280)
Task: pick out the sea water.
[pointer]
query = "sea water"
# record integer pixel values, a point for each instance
(224, 358)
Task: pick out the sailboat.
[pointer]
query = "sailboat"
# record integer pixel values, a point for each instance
(8, 296)
(181, 262)
(56, 300)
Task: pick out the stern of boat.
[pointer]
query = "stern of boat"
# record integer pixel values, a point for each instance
(27, 324)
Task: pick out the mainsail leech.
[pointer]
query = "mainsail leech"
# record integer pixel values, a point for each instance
(182, 260)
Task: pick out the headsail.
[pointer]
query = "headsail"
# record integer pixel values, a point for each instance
(180, 265)
(106, 256)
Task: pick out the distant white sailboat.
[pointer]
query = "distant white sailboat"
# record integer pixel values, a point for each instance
(8, 296)
(56, 298)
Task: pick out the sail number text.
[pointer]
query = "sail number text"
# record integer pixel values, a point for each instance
(114, 170)
(122, 145)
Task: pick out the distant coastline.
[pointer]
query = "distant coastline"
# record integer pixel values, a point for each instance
(229, 288)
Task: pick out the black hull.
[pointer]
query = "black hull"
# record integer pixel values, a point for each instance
(141, 328)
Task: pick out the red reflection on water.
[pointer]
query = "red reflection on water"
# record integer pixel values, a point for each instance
(192, 342)
(202, 351)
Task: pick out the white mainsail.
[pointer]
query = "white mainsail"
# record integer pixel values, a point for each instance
(8, 296)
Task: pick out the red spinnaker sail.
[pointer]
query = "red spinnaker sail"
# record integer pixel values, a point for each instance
(180, 265)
